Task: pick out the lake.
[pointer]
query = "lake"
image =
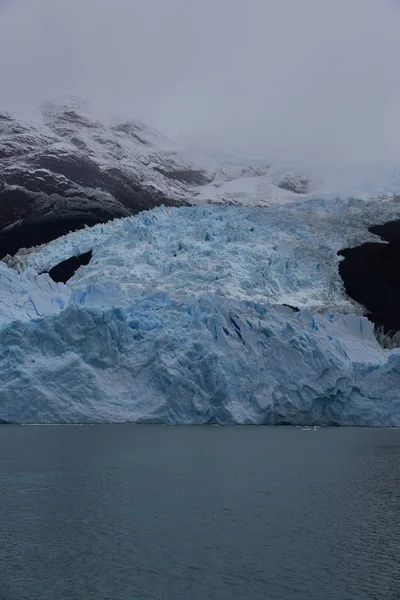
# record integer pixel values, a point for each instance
(129, 512)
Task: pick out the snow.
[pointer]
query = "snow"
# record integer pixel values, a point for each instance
(254, 181)
(326, 181)
(179, 318)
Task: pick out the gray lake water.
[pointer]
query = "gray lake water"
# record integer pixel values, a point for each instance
(172, 513)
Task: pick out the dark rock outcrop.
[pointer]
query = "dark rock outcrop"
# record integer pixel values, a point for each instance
(371, 275)
(37, 218)
(63, 272)
(189, 176)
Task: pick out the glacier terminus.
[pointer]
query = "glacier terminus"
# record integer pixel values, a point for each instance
(199, 314)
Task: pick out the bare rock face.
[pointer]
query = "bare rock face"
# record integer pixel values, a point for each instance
(371, 276)
(63, 272)
(68, 170)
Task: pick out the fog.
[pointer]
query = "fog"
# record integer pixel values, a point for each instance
(312, 79)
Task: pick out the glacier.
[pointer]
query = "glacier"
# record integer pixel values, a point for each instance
(182, 317)
(282, 254)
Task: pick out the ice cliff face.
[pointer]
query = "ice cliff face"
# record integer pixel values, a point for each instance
(28, 295)
(179, 318)
(194, 361)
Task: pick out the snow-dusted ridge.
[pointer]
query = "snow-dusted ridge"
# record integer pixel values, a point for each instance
(179, 318)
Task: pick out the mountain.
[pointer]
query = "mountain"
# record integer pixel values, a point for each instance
(64, 169)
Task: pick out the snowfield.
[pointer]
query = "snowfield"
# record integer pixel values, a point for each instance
(180, 318)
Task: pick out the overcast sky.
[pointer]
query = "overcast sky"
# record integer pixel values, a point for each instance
(311, 78)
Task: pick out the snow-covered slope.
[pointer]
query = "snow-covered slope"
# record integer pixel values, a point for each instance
(179, 318)
(279, 182)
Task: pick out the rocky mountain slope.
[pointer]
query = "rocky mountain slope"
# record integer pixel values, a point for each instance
(66, 170)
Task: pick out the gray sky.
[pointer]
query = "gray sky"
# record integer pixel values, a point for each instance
(298, 78)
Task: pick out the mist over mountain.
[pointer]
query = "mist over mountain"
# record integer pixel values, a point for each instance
(311, 79)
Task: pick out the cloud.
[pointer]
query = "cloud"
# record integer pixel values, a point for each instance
(301, 78)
